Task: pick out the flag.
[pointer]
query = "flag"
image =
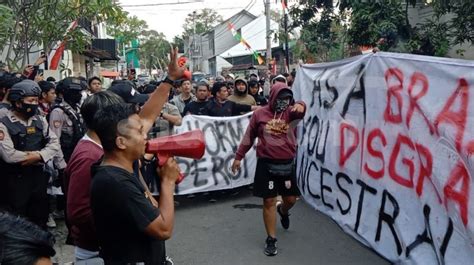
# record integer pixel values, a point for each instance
(57, 52)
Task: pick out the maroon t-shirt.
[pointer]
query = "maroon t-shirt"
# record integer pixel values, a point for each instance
(78, 175)
(275, 131)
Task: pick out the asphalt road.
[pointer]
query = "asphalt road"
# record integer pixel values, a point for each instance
(230, 231)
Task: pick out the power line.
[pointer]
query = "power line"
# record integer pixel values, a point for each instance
(163, 4)
(247, 8)
(183, 9)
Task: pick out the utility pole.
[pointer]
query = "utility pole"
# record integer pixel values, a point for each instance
(287, 50)
(268, 35)
(193, 43)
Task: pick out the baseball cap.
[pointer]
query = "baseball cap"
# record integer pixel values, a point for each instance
(285, 93)
(129, 94)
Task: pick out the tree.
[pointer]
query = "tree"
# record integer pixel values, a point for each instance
(378, 22)
(128, 29)
(382, 23)
(178, 42)
(322, 32)
(201, 21)
(6, 24)
(154, 49)
(462, 23)
(42, 23)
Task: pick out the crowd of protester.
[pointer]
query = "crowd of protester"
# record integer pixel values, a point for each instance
(53, 132)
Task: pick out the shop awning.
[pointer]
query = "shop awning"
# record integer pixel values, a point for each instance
(109, 74)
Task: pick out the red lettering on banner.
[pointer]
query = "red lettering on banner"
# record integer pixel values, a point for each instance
(416, 78)
(392, 167)
(455, 118)
(394, 92)
(425, 170)
(376, 174)
(458, 174)
(343, 154)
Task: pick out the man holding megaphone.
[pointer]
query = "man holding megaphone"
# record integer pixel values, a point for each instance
(129, 227)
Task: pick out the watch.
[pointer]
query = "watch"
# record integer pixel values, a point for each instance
(168, 81)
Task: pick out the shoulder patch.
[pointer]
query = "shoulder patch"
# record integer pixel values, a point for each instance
(2, 135)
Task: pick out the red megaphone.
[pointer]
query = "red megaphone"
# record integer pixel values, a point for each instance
(182, 62)
(190, 144)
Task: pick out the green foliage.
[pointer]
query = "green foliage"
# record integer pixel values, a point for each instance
(7, 23)
(462, 24)
(128, 29)
(323, 31)
(42, 23)
(371, 22)
(381, 23)
(201, 21)
(154, 49)
(430, 38)
(178, 42)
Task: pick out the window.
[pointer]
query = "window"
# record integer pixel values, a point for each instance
(211, 42)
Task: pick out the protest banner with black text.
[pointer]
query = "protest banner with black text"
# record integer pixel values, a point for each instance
(213, 171)
(385, 149)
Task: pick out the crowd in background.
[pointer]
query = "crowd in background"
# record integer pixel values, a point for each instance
(46, 125)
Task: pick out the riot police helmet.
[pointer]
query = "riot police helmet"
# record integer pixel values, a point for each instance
(69, 83)
(25, 88)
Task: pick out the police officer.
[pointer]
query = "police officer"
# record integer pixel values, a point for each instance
(7, 80)
(65, 119)
(26, 143)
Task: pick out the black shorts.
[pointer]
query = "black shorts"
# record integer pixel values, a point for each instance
(267, 185)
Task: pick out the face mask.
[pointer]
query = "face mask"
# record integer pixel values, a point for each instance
(281, 104)
(28, 110)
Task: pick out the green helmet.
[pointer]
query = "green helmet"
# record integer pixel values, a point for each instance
(25, 88)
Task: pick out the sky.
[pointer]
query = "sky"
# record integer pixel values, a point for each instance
(168, 16)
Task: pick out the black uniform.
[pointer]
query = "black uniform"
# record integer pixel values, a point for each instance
(24, 187)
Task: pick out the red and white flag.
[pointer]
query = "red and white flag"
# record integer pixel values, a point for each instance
(57, 52)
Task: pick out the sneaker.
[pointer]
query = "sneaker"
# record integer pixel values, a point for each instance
(284, 218)
(270, 246)
(51, 223)
(169, 261)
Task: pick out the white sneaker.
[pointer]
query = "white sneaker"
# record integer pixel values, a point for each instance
(169, 261)
(51, 223)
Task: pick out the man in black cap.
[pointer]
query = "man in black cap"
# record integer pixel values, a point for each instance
(26, 143)
(128, 93)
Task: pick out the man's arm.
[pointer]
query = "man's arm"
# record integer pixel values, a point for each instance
(152, 108)
(174, 117)
(162, 226)
(246, 143)
(52, 148)
(298, 111)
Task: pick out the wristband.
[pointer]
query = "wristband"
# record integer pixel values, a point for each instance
(168, 81)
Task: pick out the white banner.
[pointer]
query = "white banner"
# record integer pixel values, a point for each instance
(386, 150)
(213, 171)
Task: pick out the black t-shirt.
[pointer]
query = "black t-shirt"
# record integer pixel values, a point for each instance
(196, 108)
(121, 213)
(186, 101)
(228, 108)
